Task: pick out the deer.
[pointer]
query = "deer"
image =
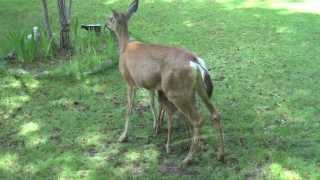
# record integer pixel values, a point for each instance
(176, 74)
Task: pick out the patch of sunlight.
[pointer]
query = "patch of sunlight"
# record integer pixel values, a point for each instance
(132, 156)
(129, 170)
(151, 154)
(283, 30)
(30, 168)
(155, 1)
(107, 155)
(62, 101)
(66, 173)
(291, 175)
(123, 170)
(143, 95)
(13, 102)
(35, 141)
(11, 84)
(33, 84)
(307, 6)
(188, 23)
(28, 128)
(8, 162)
(83, 173)
(109, 2)
(98, 88)
(276, 171)
(90, 139)
(94, 139)
(168, 0)
(112, 150)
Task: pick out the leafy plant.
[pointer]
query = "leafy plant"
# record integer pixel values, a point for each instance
(29, 49)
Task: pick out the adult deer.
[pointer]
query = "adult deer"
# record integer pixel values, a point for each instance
(176, 73)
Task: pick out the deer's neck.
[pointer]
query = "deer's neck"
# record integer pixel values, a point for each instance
(123, 39)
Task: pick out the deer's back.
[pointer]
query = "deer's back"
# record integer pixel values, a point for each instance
(145, 65)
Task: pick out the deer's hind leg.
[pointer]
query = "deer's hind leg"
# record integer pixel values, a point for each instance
(187, 107)
(215, 117)
(130, 103)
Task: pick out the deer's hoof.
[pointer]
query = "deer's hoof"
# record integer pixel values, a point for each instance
(168, 149)
(156, 129)
(220, 157)
(122, 138)
(186, 161)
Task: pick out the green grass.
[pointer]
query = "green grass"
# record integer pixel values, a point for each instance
(266, 65)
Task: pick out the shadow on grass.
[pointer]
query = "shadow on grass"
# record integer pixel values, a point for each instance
(266, 64)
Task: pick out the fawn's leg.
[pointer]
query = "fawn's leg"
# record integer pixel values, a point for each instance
(170, 115)
(153, 110)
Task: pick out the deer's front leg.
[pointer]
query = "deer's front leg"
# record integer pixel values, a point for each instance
(130, 96)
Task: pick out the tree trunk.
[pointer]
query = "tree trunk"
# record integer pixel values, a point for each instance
(69, 12)
(46, 19)
(65, 43)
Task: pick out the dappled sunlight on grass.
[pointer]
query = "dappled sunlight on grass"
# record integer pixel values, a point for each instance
(305, 6)
(90, 139)
(13, 102)
(33, 84)
(151, 154)
(31, 168)
(135, 162)
(188, 23)
(283, 30)
(109, 2)
(15, 92)
(132, 156)
(30, 133)
(144, 96)
(29, 128)
(11, 84)
(8, 162)
(35, 140)
(66, 102)
(276, 171)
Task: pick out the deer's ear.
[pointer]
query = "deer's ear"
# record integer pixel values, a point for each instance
(115, 14)
(133, 7)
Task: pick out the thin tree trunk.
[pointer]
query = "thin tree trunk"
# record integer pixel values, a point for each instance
(46, 19)
(65, 43)
(69, 12)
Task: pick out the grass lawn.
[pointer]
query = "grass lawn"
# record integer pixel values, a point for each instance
(264, 57)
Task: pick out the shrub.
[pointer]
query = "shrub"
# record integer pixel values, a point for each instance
(28, 50)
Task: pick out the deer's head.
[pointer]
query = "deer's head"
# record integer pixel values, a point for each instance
(118, 21)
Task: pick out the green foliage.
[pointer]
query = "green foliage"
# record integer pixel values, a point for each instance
(79, 66)
(28, 50)
(91, 43)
